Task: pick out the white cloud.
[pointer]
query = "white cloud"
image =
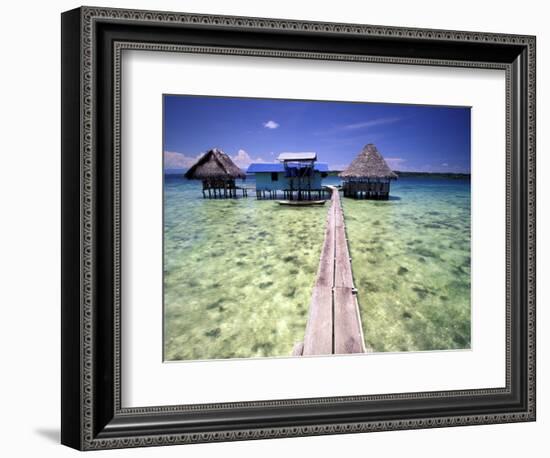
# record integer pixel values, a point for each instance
(242, 159)
(359, 126)
(271, 124)
(394, 162)
(445, 164)
(175, 160)
(371, 123)
(339, 167)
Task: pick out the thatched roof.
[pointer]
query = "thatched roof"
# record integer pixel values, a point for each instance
(214, 165)
(369, 163)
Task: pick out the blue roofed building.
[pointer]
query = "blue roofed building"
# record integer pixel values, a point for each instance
(296, 177)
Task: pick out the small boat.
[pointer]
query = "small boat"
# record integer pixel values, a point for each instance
(301, 203)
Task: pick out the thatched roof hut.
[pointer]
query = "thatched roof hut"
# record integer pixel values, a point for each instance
(368, 176)
(214, 165)
(218, 174)
(369, 164)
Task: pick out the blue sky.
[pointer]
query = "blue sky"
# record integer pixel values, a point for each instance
(410, 137)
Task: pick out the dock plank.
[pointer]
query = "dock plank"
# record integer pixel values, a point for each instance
(343, 276)
(325, 272)
(334, 322)
(348, 333)
(318, 336)
(298, 349)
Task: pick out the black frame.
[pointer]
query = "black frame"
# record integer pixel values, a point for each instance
(92, 42)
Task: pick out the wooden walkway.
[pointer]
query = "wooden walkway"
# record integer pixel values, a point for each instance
(334, 323)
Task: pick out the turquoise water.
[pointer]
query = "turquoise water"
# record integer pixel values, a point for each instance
(411, 265)
(238, 274)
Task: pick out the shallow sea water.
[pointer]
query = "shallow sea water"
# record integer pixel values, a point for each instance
(238, 273)
(411, 265)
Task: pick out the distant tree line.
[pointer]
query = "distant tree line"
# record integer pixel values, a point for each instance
(458, 176)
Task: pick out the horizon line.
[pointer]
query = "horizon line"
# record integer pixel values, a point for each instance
(182, 170)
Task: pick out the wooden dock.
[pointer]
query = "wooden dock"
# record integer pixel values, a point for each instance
(334, 323)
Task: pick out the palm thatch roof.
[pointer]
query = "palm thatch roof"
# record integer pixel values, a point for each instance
(214, 165)
(368, 164)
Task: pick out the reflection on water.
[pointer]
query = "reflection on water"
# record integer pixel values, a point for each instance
(238, 274)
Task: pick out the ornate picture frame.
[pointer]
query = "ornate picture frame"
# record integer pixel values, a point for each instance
(92, 42)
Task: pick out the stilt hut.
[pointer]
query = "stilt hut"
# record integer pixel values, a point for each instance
(299, 170)
(368, 176)
(271, 179)
(218, 173)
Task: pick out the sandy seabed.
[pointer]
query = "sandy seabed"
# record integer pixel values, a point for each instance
(238, 274)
